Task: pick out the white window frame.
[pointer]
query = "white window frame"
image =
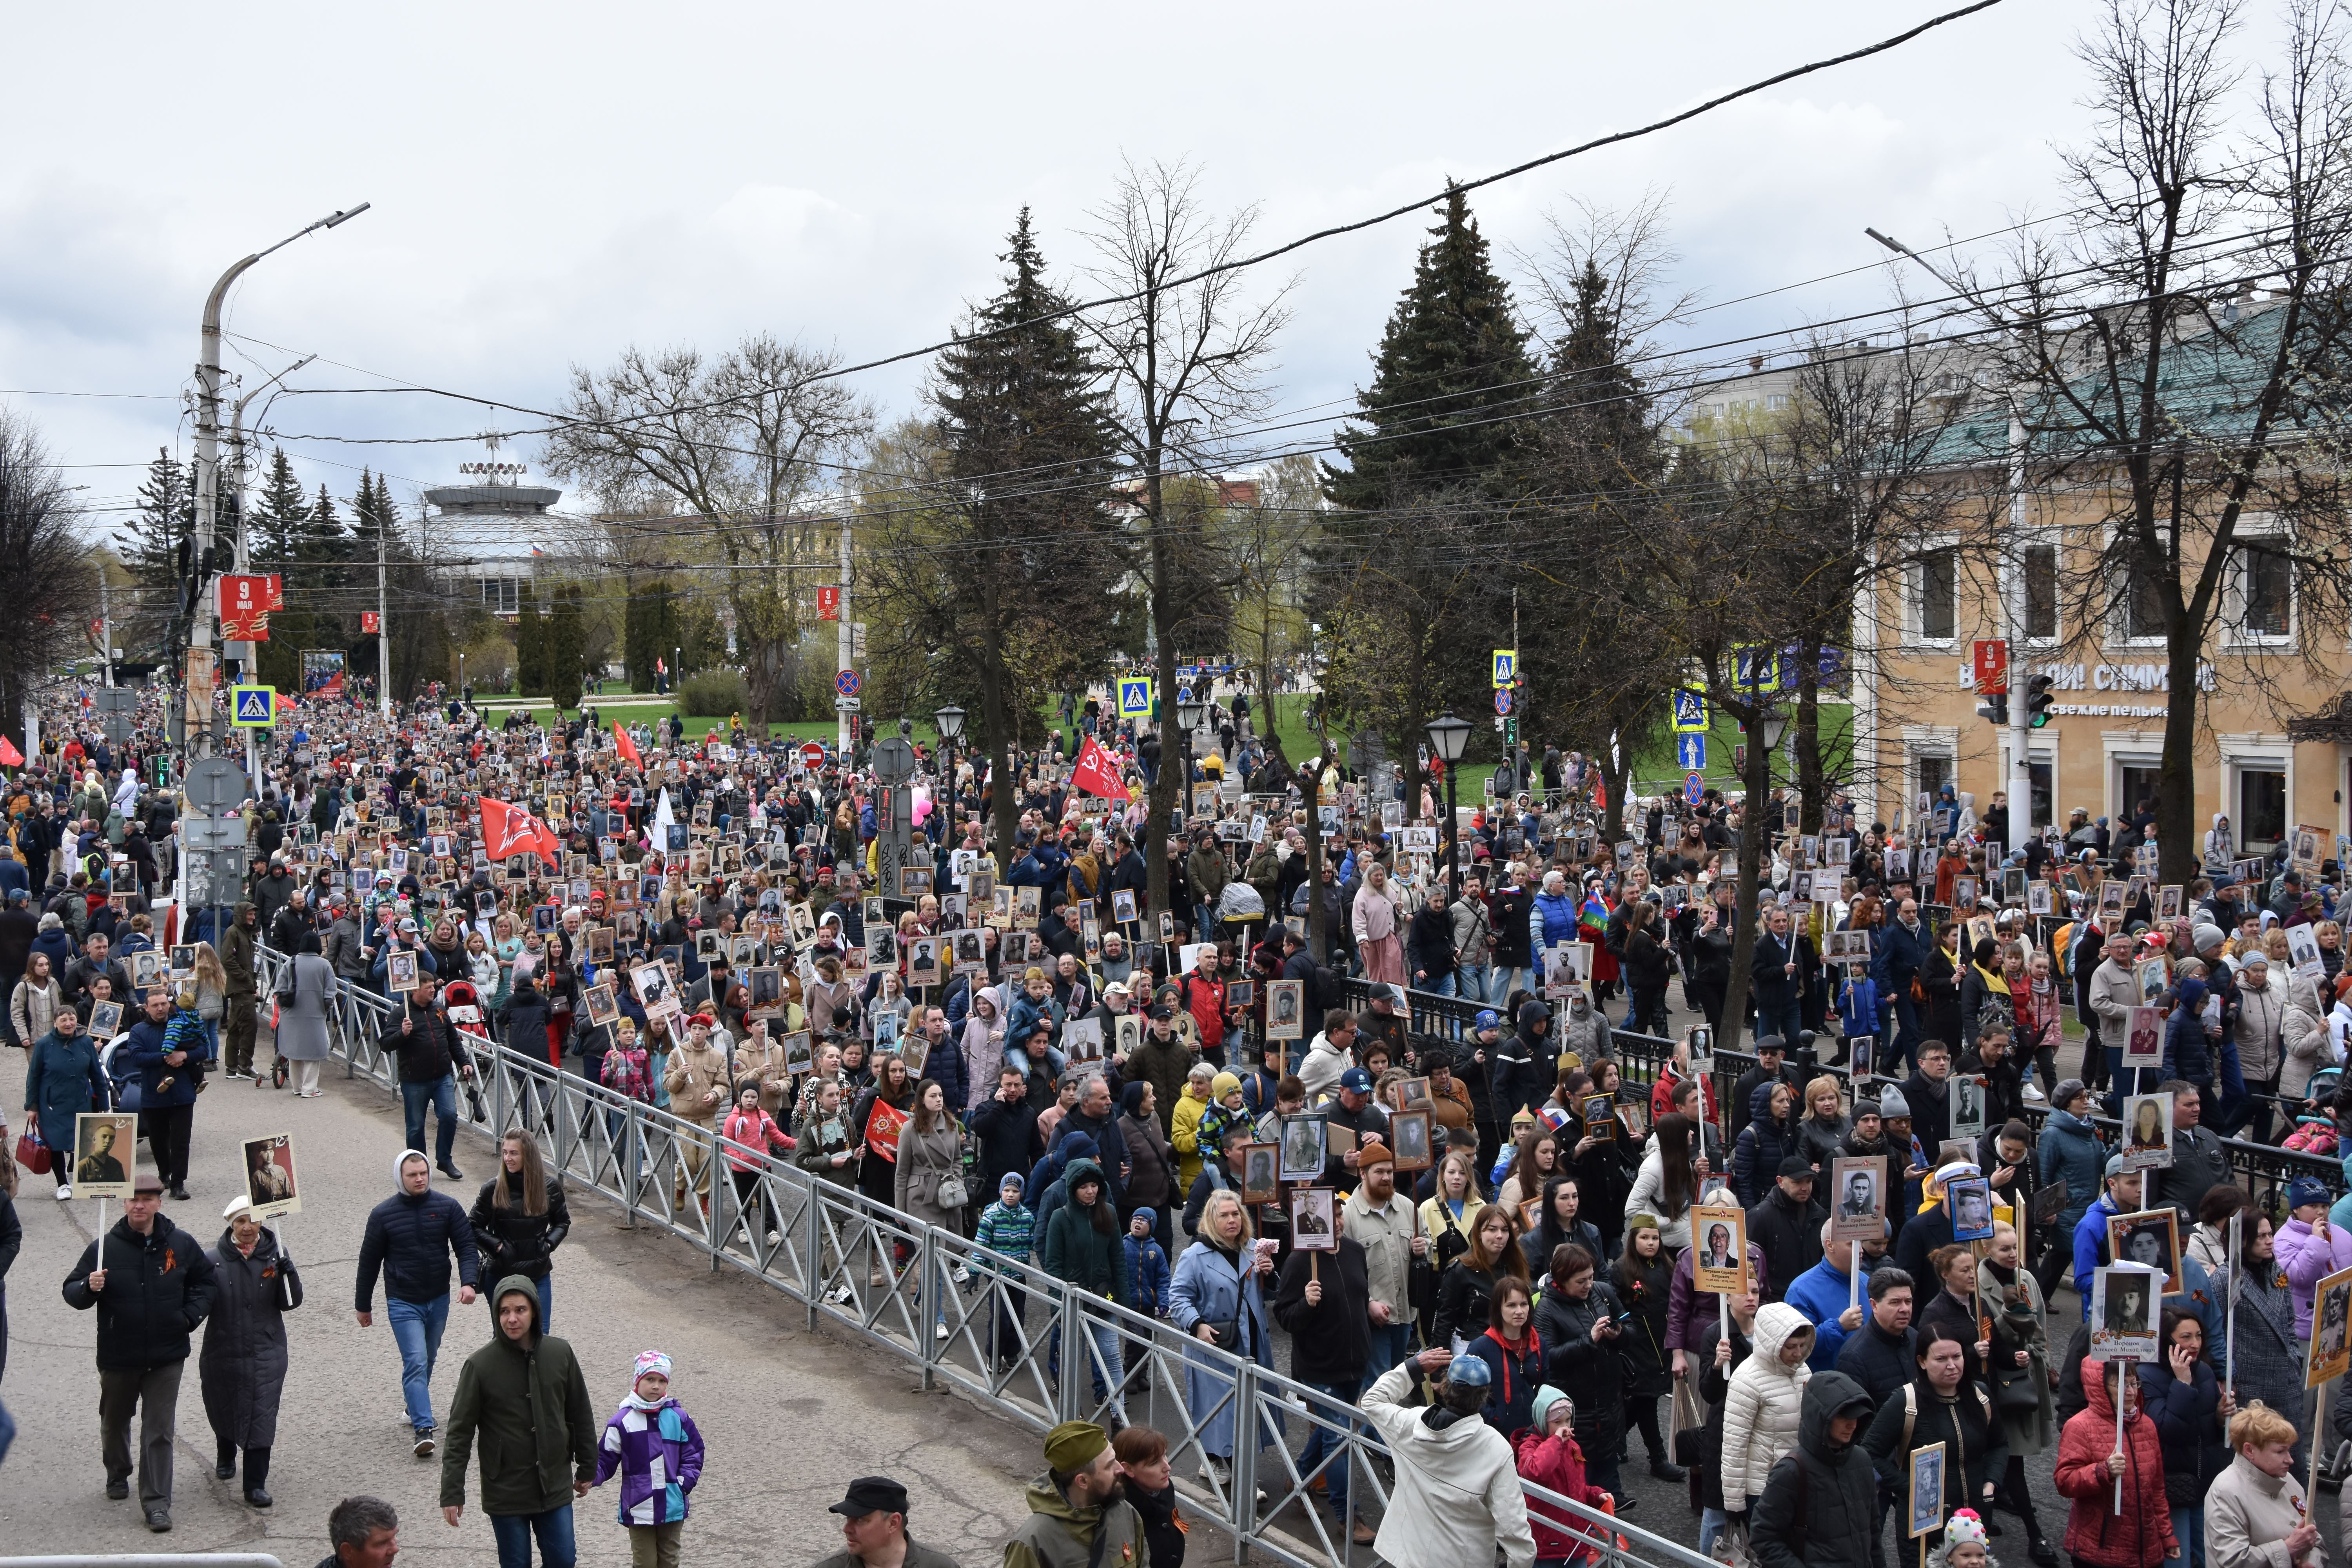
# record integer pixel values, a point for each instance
(2052, 539)
(2119, 634)
(2254, 752)
(1941, 742)
(2234, 634)
(1915, 595)
(2118, 749)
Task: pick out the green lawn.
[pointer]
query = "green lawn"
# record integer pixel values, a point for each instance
(1659, 768)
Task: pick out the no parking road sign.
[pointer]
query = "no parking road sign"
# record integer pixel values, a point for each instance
(1694, 788)
(1135, 697)
(253, 706)
(847, 683)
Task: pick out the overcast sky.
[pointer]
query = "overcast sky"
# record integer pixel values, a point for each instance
(551, 184)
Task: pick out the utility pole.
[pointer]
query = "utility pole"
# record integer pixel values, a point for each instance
(382, 625)
(105, 627)
(2011, 581)
(845, 638)
(207, 464)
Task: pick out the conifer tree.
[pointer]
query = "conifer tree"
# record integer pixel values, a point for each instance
(531, 632)
(279, 516)
(166, 521)
(561, 648)
(322, 537)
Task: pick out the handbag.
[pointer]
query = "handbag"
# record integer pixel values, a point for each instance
(32, 1152)
(952, 1192)
(2016, 1390)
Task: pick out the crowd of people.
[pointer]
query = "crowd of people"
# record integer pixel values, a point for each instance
(1507, 1280)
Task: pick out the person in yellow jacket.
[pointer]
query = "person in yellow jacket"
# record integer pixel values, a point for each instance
(1184, 1124)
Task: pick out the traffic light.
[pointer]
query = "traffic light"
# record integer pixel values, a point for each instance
(2038, 700)
(1995, 708)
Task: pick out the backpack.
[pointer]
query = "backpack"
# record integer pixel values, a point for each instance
(1911, 1408)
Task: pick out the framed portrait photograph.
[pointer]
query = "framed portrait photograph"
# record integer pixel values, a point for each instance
(1858, 1198)
(800, 1052)
(2037, 898)
(2149, 974)
(1411, 1094)
(651, 984)
(914, 882)
(2148, 1131)
(923, 961)
(183, 958)
(1969, 1100)
(105, 1153)
(1303, 1144)
(1286, 1009)
(603, 1004)
(2144, 1041)
(1409, 1139)
(1261, 1182)
(1122, 906)
(1969, 1201)
(1719, 1259)
(1925, 1512)
(600, 941)
(2330, 1352)
(1861, 1054)
(270, 1183)
(2125, 1310)
(1311, 1229)
(1082, 1040)
(1028, 904)
(2150, 1239)
(1600, 1118)
(1130, 1035)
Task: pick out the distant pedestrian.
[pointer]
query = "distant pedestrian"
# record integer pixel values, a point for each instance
(364, 1533)
(1076, 1500)
(152, 1285)
(410, 1239)
(874, 1529)
(242, 1368)
(524, 1394)
(652, 1444)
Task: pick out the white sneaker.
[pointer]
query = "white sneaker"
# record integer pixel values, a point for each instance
(2033, 1093)
(941, 1332)
(961, 1275)
(65, 1190)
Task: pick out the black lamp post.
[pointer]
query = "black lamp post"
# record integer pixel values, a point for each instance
(1188, 719)
(949, 721)
(1448, 738)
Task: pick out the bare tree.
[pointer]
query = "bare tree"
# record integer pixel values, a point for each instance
(1186, 362)
(50, 571)
(2176, 358)
(750, 443)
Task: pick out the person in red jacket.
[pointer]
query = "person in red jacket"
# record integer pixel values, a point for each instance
(2139, 1535)
(1548, 1456)
(1667, 1089)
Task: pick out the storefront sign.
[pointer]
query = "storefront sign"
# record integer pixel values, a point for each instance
(2101, 678)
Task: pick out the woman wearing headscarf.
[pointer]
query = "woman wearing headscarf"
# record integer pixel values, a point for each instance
(1380, 945)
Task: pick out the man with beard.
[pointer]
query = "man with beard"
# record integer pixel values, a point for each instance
(1076, 1509)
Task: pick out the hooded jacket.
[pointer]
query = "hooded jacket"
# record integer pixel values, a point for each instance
(1075, 1250)
(1458, 1498)
(1817, 1510)
(2070, 1151)
(2095, 1533)
(1763, 1144)
(1762, 1406)
(530, 1405)
(236, 954)
(410, 1238)
(1056, 1535)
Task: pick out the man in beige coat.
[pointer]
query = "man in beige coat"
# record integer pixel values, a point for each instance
(2114, 992)
(1386, 1225)
(697, 1081)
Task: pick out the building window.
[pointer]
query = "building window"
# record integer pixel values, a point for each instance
(1929, 776)
(2135, 783)
(2261, 809)
(1937, 596)
(2042, 592)
(502, 596)
(2263, 579)
(2143, 604)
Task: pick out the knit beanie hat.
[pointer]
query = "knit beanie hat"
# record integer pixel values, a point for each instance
(1966, 1527)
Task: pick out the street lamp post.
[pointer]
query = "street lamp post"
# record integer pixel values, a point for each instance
(1188, 719)
(1448, 738)
(208, 465)
(949, 721)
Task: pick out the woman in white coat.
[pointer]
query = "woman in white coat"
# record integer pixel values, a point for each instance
(1763, 1403)
(1667, 1184)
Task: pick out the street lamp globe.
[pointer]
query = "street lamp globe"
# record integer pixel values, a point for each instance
(1188, 714)
(1448, 738)
(949, 721)
(1772, 726)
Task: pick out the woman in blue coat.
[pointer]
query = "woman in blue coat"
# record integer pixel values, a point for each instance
(1216, 1297)
(62, 1080)
(2070, 1151)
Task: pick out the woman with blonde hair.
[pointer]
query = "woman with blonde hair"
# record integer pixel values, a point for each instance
(1217, 1298)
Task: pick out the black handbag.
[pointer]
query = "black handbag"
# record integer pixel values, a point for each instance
(2014, 1389)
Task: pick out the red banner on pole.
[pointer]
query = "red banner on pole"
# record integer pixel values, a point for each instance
(1095, 774)
(828, 604)
(1991, 663)
(245, 601)
(371, 621)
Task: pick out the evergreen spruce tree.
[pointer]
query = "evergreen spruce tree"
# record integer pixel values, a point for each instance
(649, 629)
(1453, 367)
(562, 645)
(322, 538)
(165, 523)
(279, 515)
(531, 630)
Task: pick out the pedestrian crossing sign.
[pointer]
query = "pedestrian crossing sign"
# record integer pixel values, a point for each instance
(1135, 697)
(1506, 667)
(253, 706)
(1690, 711)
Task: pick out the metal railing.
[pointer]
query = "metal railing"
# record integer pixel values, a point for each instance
(2263, 1168)
(1027, 1346)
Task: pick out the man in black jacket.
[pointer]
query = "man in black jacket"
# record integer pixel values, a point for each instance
(1005, 1124)
(410, 1238)
(1817, 1509)
(152, 1285)
(1323, 1302)
(430, 1061)
(1879, 1355)
(1927, 1092)
(1788, 1225)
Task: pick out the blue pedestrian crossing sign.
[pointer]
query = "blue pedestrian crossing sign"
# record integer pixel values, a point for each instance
(1135, 697)
(1690, 711)
(1756, 669)
(253, 706)
(1690, 753)
(1506, 666)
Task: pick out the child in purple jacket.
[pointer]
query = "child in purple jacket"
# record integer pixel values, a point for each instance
(653, 1443)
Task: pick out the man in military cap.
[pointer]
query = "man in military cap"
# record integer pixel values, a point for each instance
(1077, 1498)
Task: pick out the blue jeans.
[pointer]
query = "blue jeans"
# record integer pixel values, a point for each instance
(1785, 1019)
(2189, 1529)
(1320, 1441)
(1438, 984)
(1389, 1341)
(554, 1528)
(1112, 1356)
(1507, 978)
(1471, 981)
(417, 1328)
(442, 1095)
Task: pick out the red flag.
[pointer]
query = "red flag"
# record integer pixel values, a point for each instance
(509, 830)
(624, 746)
(1095, 774)
(9, 755)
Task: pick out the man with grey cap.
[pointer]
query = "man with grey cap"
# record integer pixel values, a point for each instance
(1457, 1498)
(1077, 1501)
(874, 1529)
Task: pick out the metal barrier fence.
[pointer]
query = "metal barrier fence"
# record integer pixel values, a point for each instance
(1017, 1340)
(2263, 1168)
